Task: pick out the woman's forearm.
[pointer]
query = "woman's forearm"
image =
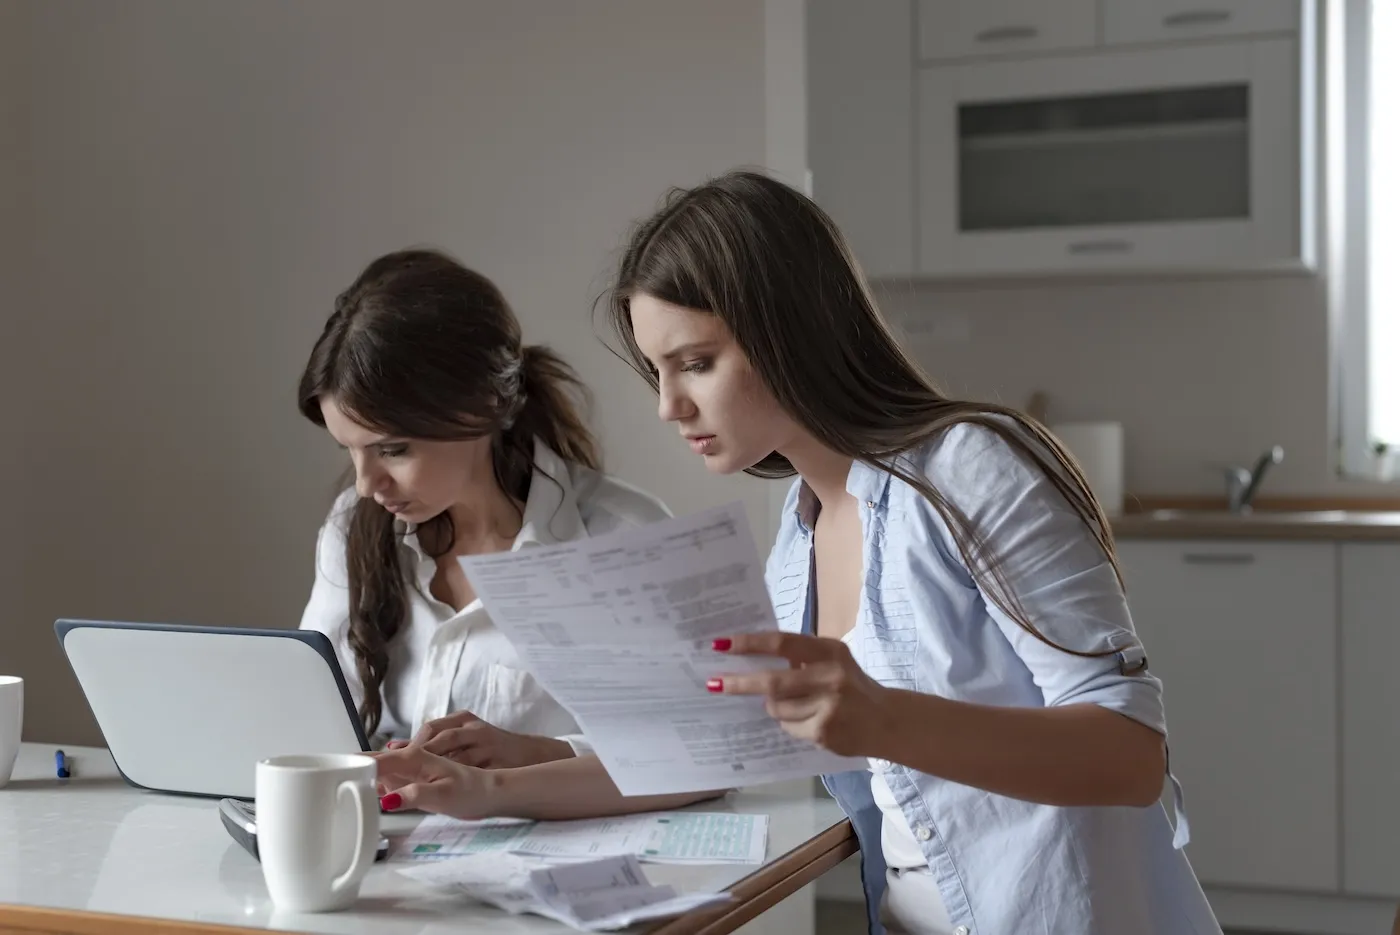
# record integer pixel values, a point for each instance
(577, 787)
(1081, 754)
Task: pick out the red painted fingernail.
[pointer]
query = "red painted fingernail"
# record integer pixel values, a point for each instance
(391, 802)
(715, 685)
(723, 644)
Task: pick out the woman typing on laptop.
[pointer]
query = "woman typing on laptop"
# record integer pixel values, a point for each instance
(463, 441)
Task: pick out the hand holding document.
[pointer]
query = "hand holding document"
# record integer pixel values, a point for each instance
(609, 893)
(619, 630)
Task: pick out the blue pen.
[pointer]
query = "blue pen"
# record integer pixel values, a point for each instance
(60, 762)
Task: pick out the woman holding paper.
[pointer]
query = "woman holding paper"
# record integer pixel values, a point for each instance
(946, 582)
(463, 440)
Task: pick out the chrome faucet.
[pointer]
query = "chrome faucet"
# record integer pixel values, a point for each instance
(1241, 484)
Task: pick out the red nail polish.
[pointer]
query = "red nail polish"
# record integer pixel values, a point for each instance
(391, 802)
(715, 685)
(723, 644)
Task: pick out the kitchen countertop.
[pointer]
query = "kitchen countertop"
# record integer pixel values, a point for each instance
(1261, 524)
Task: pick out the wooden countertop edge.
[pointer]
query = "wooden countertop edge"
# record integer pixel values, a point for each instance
(770, 885)
(1146, 502)
(1128, 528)
(1138, 523)
(41, 920)
(754, 894)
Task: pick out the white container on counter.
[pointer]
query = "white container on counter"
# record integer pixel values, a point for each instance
(1098, 447)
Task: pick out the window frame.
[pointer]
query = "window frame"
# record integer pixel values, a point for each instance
(1347, 143)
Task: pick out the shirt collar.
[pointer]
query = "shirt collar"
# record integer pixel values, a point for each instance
(551, 506)
(867, 484)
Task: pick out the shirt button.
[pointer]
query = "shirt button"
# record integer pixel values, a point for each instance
(922, 833)
(960, 930)
(870, 504)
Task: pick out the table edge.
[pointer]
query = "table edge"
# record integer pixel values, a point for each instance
(754, 895)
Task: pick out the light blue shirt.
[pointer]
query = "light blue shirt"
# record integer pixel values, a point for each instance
(1002, 865)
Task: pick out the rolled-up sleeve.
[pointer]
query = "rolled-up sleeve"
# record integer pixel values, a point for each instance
(1057, 571)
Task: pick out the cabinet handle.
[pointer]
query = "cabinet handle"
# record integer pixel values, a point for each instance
(1007, 33)
(1197, 18)
(1218, 558)
(1101, 246)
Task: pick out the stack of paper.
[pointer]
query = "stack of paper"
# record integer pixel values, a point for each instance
(597, 895)
(656, 837)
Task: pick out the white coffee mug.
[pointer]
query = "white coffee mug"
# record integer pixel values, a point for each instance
(318, 828)
(11, 722)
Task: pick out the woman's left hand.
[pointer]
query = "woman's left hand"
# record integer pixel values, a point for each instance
(825, 697)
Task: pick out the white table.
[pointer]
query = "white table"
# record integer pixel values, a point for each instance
(87, 854)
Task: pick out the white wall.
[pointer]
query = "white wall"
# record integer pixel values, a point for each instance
(209, 175)
(1201, 372)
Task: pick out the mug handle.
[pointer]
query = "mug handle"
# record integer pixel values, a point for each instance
(365, 833)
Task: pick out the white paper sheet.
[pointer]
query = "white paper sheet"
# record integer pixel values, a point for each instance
(609, 893)
(653, 837)
(665, 837)
(618, 629)
(438, 837)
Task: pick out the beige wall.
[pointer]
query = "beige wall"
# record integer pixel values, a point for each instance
(1201, 372)
(16, 226)
(209, 175)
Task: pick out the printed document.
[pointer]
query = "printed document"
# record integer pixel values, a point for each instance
(598, 895)
(653, 837)
(619, 628)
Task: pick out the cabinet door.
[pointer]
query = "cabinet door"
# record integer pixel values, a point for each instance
(1168, 20)
(951, 29)
(860, 126)
(1244, 637)
(1156, 159)
(1371, 718)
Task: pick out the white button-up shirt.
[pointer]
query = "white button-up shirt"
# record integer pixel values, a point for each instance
(443, 660)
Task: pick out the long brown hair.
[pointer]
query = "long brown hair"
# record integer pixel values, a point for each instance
(420, 347)
(777, 271)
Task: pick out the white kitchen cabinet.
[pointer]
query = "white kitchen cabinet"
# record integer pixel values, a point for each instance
(1176, 20)
(860, 74)
(1146, 159)
(1370, 590)
(1243, 636)
(953, 29)
(984, 138)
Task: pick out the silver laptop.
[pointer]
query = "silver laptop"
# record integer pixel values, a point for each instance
(192, 709)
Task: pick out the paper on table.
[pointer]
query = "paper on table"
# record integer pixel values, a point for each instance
(618, 630)
(664, 837)
(438, 836)
(654, 837)
(609, 893)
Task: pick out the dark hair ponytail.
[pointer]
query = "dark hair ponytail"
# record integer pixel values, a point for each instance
(553, 406)
(420, 347)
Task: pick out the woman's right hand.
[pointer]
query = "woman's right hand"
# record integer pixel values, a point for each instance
(411, 777)
(467, 739)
